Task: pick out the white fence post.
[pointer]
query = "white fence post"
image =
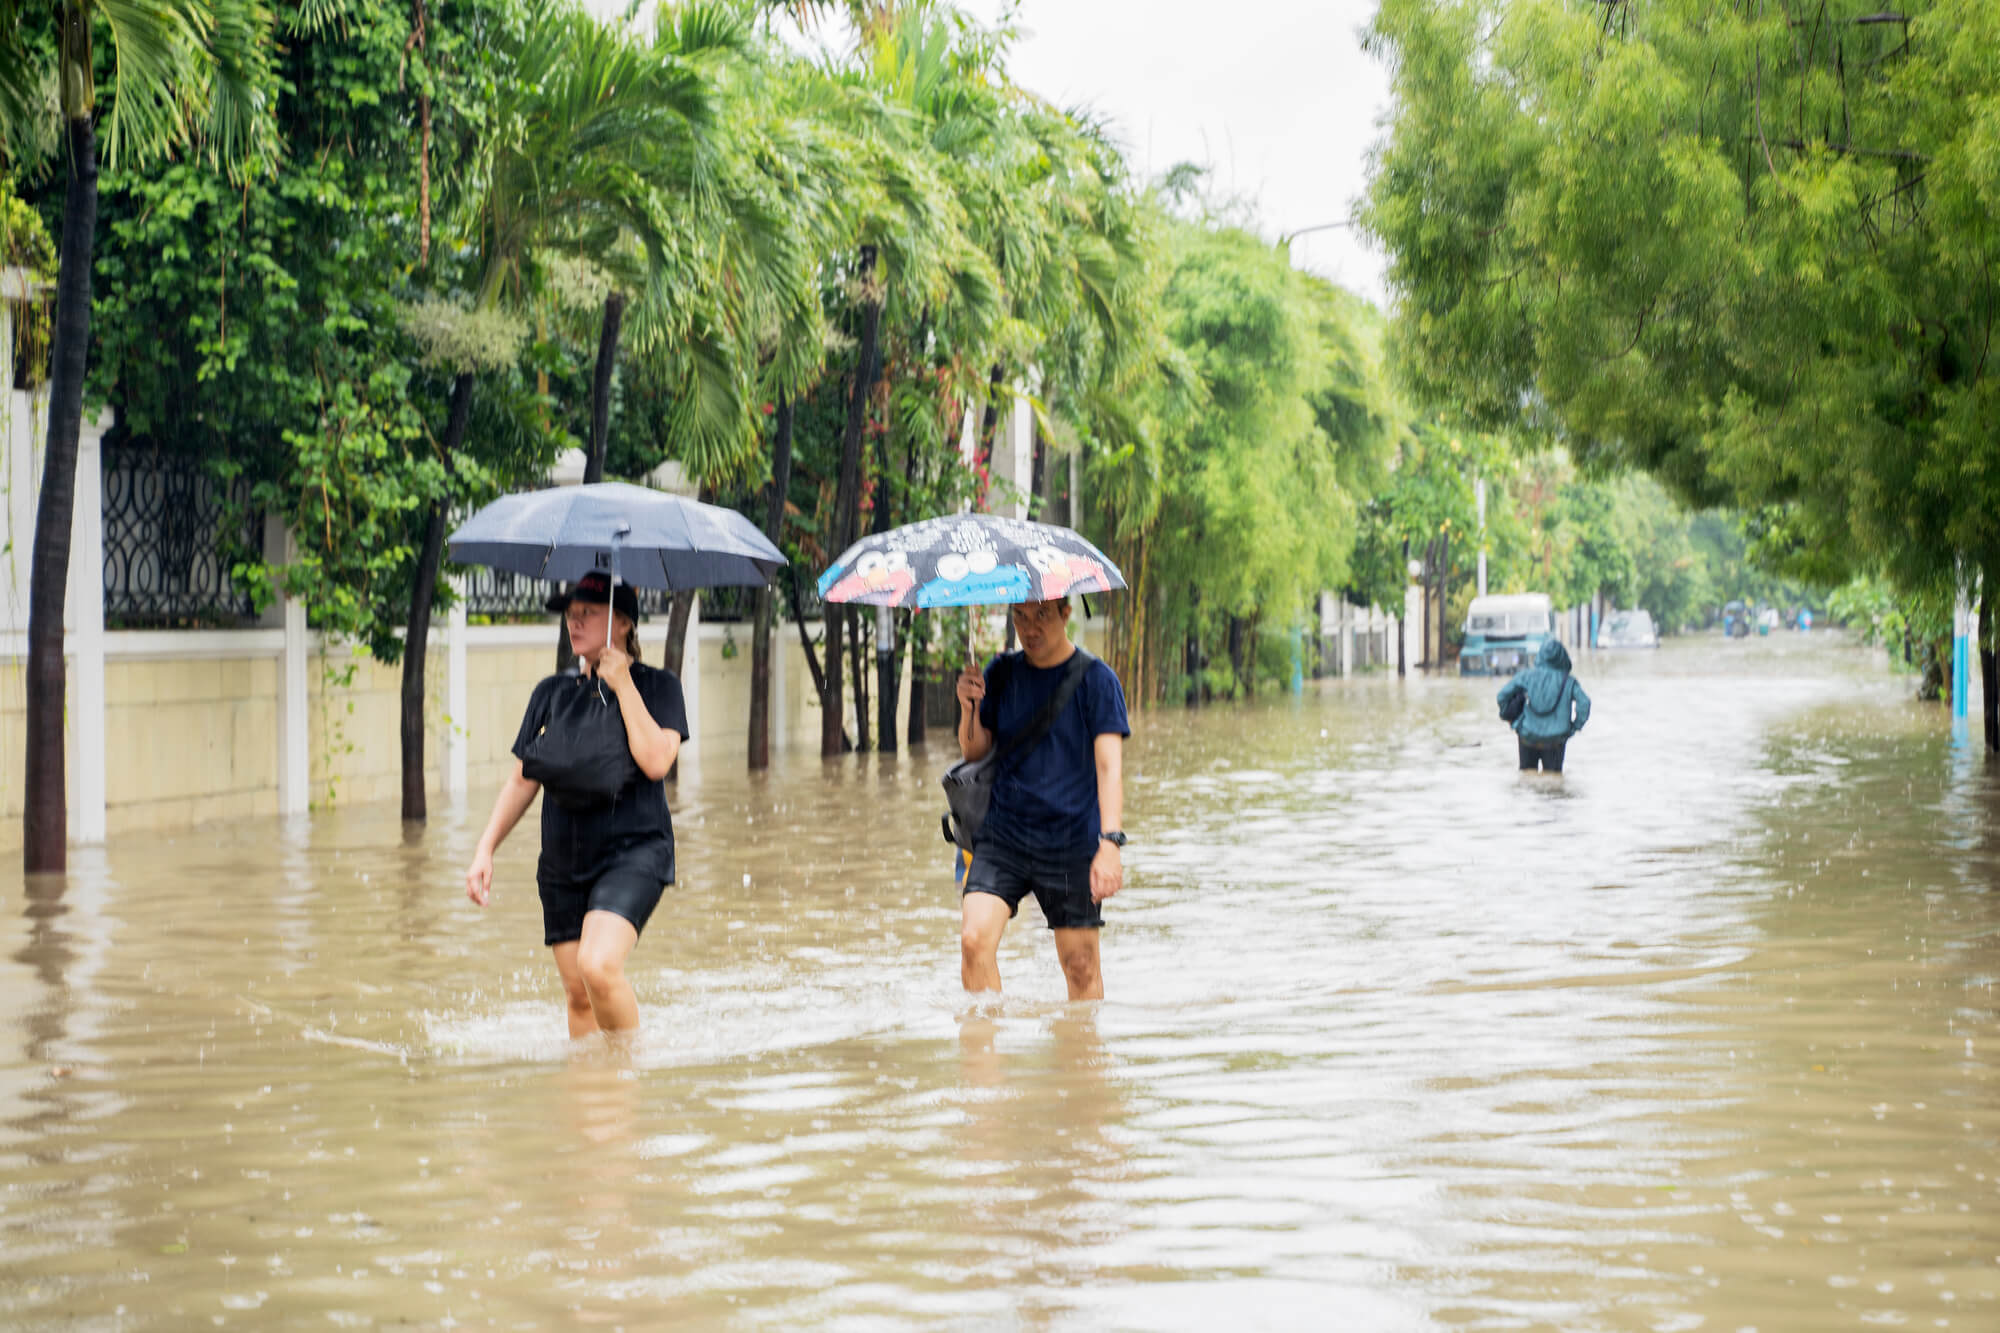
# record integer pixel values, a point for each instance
(294, 753)
(456, 695)
(87, 822)
(691, 679)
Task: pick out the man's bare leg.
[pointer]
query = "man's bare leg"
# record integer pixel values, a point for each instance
(1077, 948)
(985, 917)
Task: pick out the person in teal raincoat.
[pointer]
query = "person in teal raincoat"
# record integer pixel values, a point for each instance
(1546, 706)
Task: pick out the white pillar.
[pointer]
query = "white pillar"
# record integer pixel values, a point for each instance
(294, 752)
(1479, 491)
(781, 652)
(86, 601)
(968, 438)
(1413, 619)
(456, 694)
(1346, 639)
(691, 679)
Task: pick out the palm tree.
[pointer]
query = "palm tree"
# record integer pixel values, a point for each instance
(913, 245)
(190, 75)
(586, 132)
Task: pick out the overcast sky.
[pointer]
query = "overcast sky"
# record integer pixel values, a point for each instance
(1275, 96)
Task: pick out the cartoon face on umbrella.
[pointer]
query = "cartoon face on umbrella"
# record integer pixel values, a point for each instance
(1061, 571)
(974, 578)
(878, 578)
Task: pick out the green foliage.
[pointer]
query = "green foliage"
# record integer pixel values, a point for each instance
(1748, 249)
(262, 327)
(25, 245)
(1239, 495)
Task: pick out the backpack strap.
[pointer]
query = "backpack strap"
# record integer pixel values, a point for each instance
(1028, 737)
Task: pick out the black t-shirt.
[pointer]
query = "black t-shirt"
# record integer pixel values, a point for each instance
(640, 809)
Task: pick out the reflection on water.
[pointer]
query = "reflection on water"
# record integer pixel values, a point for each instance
(1699, 1034)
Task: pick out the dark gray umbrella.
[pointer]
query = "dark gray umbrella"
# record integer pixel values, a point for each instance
(648, 538)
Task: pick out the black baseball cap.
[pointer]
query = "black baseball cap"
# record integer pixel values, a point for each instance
(594, 588)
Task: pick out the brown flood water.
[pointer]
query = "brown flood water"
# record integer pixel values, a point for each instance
(1701, 1035)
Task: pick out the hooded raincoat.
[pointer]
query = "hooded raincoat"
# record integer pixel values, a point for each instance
(1555, 706)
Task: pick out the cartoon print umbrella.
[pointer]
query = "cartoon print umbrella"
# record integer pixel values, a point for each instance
(650, 538)
(968, 560)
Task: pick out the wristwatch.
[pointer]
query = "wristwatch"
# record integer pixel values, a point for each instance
(1115, 838)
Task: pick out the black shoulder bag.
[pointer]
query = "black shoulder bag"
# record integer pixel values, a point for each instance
(968, 785)
(582, 756)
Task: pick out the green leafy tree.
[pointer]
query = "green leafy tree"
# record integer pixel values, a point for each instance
(1749, 249)
(181, 78)
(587, 127)
(1246, 505)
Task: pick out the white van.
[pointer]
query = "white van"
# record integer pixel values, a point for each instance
(1504, 631)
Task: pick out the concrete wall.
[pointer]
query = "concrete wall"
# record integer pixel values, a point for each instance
(193, 734)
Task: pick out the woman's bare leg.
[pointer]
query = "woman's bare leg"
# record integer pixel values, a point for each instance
(601, 953)
(582, 1018)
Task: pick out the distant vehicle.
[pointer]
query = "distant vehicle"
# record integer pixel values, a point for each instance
(1504, 632)
(1735, 621)
(1628, 629)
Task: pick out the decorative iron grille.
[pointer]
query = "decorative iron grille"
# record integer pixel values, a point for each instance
(496, 592)
(167, 552)
(499, 592)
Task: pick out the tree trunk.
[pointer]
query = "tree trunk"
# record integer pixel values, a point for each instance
(885, 643)
(989, 420)
(1444, 592)
(806, 643)
(416, 636)
(862, 735)
(913, 631)
(1930, 685)
(600, 429)
(760, 634)
(847, 496)
(678, 614)
(600, 387)
(1038, 471)
(1403, 618)
(45, 823)
(1989, 675)
(888, 670)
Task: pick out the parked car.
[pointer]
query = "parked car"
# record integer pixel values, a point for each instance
(1628, 629)
(1735, 621)
(1503, 632)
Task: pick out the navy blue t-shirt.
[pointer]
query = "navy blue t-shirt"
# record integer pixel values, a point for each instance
(1046, 800)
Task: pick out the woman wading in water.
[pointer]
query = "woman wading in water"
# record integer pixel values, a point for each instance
(601, 739)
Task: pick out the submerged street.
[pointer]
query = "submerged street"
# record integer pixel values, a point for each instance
(1703, 1033)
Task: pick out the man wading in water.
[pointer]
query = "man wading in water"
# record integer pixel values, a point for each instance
(1054, 827)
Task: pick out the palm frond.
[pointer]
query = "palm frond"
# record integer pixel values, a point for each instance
(155, 76)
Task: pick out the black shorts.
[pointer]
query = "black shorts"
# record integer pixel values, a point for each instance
(627, 879)
(1060, 882)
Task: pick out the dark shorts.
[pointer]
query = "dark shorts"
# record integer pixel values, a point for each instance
(1548, 757)
(1060, 882)
(627, 879)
